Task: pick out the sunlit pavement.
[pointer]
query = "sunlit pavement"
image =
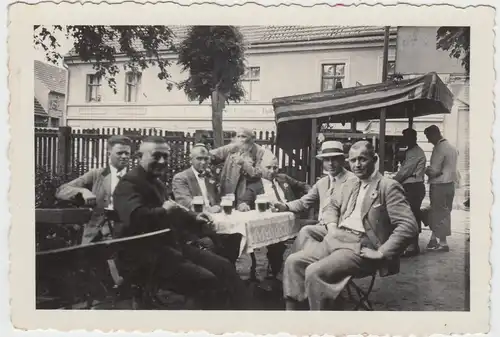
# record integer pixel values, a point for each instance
(430, 281)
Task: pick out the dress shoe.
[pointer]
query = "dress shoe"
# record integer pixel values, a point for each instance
(442, 248)
(433, 244)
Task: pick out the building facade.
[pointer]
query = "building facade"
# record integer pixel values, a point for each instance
(49, 97)
(281, 61)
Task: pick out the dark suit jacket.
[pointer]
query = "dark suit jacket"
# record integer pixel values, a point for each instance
(388, 220)
(292, 189)
(185, 186)
(138, 200)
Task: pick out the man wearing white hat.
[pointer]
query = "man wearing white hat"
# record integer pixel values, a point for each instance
(333, 157)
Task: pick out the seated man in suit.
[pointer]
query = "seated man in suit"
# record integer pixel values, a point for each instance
(195, 181)
(368, 224)
(333, 157)
(277, 187)
(143, 206)
(95, 188)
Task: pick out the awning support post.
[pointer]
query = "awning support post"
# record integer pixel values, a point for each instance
(354, 126)
(410, 123)
(383, 111)
(314, 136)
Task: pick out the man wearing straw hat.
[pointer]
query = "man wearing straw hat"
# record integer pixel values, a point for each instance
(333, 158)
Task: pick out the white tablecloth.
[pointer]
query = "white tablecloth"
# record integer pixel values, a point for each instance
(259, 229)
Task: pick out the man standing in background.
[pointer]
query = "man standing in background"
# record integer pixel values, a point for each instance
(411, 176)
(241, 163)
(443, 176)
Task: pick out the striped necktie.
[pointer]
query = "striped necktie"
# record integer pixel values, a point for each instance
(329, 194)
(352, 201)
(276, 191)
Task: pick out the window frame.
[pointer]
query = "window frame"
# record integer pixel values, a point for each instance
(131, 88)
(90, 86)
(334, 77)
(250, 79)
(393, 61)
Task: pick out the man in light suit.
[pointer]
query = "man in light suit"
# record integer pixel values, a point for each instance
(368, 224)
(333, 157)
(195, 181)
(95, 188)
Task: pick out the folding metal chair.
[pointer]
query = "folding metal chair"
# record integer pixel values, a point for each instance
(358, 295)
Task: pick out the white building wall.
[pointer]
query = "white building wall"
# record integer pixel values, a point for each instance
(281, 74)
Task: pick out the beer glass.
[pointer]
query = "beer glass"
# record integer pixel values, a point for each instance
(198, 203)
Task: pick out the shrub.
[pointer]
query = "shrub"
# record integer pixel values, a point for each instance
(47, 182)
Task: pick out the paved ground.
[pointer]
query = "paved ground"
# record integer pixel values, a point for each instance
(428, 282)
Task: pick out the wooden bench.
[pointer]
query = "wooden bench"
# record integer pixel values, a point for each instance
(85, 274)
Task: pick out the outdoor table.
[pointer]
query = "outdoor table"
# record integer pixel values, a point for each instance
(259, 229)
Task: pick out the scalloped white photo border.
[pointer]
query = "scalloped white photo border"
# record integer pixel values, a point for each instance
(21, 237)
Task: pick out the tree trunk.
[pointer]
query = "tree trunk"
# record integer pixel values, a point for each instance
(218, 104)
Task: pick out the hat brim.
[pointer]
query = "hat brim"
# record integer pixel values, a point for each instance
(331, 154)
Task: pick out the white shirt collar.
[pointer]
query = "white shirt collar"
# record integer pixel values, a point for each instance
(115, 171)
(270, 181)
(196, 173)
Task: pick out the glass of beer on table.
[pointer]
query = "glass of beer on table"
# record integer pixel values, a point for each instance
(198, 204)
(231, 197)
(227, 205)
(262, 203)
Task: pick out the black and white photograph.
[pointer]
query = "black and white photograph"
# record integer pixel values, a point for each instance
(253, 167)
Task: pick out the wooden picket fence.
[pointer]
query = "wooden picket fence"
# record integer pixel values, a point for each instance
(78, 150)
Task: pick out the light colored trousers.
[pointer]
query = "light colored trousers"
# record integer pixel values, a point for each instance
(323, 264)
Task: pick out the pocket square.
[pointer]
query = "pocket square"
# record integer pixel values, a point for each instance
(377, 205)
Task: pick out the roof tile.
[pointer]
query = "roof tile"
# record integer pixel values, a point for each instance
(54, 78)
(38, 109)
(259, 35)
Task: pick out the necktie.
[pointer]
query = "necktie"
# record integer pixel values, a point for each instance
(353, 199)
(276, 191)
(328, 196)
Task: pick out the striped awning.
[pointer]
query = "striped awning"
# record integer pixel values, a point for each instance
(424, 95)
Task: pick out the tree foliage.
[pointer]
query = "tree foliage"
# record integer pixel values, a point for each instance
(214, 57)
(455, 40)
(141, 46)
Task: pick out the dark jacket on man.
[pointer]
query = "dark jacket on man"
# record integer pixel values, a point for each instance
(138, 199)
(292, 188)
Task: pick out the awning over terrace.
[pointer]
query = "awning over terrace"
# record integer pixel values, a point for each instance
(424, 95)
